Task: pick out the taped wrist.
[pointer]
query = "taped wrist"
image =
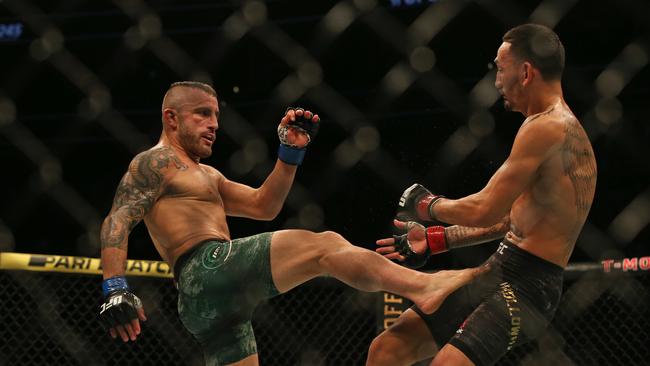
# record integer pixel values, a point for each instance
(114, 284)
(433, 203)
(424, 206)
(291, 155)
(436, 240)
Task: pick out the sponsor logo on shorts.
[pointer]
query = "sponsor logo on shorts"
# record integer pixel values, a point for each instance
(217, 256)
(501, 248)
(461, 328)
(511, 305)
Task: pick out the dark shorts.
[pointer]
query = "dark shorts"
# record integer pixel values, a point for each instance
(508, 306)
(219, 285)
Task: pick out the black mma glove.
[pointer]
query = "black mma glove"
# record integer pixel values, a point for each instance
(411, 258)
(120, 306)
(415, 204)
(436, 243)
(291, 153)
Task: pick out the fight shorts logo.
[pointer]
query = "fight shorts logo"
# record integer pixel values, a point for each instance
(501, 248)
(216, 255)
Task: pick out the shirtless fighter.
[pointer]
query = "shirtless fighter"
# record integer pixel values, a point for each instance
(538, 199)
(184, 205)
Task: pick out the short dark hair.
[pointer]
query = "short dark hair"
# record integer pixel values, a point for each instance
(194, 84)
(540, 46)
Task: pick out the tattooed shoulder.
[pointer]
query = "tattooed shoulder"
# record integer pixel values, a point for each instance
(137, 193)
(146, 173)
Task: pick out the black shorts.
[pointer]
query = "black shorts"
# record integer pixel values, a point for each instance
(509, 305)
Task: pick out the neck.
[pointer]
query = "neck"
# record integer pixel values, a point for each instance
(545, 96)
(174, 144)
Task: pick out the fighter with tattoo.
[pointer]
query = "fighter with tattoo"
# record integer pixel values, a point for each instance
(538, 199)
(220, 280)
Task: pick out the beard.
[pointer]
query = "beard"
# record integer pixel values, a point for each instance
(507, 106)
(193, 143)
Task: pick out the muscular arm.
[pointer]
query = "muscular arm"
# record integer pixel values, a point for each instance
(533, 144)
(263, 203)
(135, 196)
(461, 236)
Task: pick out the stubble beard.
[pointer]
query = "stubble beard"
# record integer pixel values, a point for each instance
(193, 144)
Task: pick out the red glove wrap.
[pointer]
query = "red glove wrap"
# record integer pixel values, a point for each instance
(422, 207)
(436, 239)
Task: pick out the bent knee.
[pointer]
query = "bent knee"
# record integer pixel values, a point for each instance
(451, 356)
(320, 245)
(331, 237)
(378, 352)
(388, 350)
(330, 241)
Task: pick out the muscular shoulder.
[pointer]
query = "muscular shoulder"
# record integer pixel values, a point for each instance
(159, 159)
(149, 169)
(543, 135)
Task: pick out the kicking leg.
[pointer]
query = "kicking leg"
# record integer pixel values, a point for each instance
(298, 256)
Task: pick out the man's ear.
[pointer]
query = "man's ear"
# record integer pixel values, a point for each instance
(528, 73)
(170, 117)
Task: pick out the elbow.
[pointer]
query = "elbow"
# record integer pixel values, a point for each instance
(268, 215)
(268, 212)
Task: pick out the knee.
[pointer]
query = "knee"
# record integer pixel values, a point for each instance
(379, 352)
(451, 356)
(329, 246)
(330, 241)
(331, 237)
(384, 351)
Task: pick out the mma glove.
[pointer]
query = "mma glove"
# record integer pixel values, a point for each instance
(120, 305)
(291, 153)
(415, 204)
(436, 243)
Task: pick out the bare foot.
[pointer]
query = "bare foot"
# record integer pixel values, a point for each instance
(443, 283)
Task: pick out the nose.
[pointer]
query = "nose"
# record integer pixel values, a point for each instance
(213, 123)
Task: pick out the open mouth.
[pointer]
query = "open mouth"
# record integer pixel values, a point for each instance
(208, 138)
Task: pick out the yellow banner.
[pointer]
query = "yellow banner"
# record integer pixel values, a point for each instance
(82, 265)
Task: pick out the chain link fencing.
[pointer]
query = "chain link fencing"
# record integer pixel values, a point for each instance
(51, 318)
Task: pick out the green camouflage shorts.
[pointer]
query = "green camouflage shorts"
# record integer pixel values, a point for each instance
(219, 286)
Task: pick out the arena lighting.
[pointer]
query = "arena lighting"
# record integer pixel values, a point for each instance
(11, 31)
(410, 3)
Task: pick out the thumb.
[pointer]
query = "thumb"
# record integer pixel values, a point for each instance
(399, 224)
(141, 314)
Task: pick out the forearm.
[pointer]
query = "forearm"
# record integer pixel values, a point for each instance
(275, 189)
(114, 241)
(473, 211)
(460, 236)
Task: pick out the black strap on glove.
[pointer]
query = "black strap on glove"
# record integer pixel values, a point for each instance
(120, 306)
(411, 258)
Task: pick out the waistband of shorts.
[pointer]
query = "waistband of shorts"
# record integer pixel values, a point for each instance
(537, 263)
(183, 258)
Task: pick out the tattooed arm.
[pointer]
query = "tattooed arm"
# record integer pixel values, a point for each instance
(461, 236)
(423, 242)
(135, 196)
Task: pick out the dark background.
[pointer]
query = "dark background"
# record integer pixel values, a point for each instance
(82, 82)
